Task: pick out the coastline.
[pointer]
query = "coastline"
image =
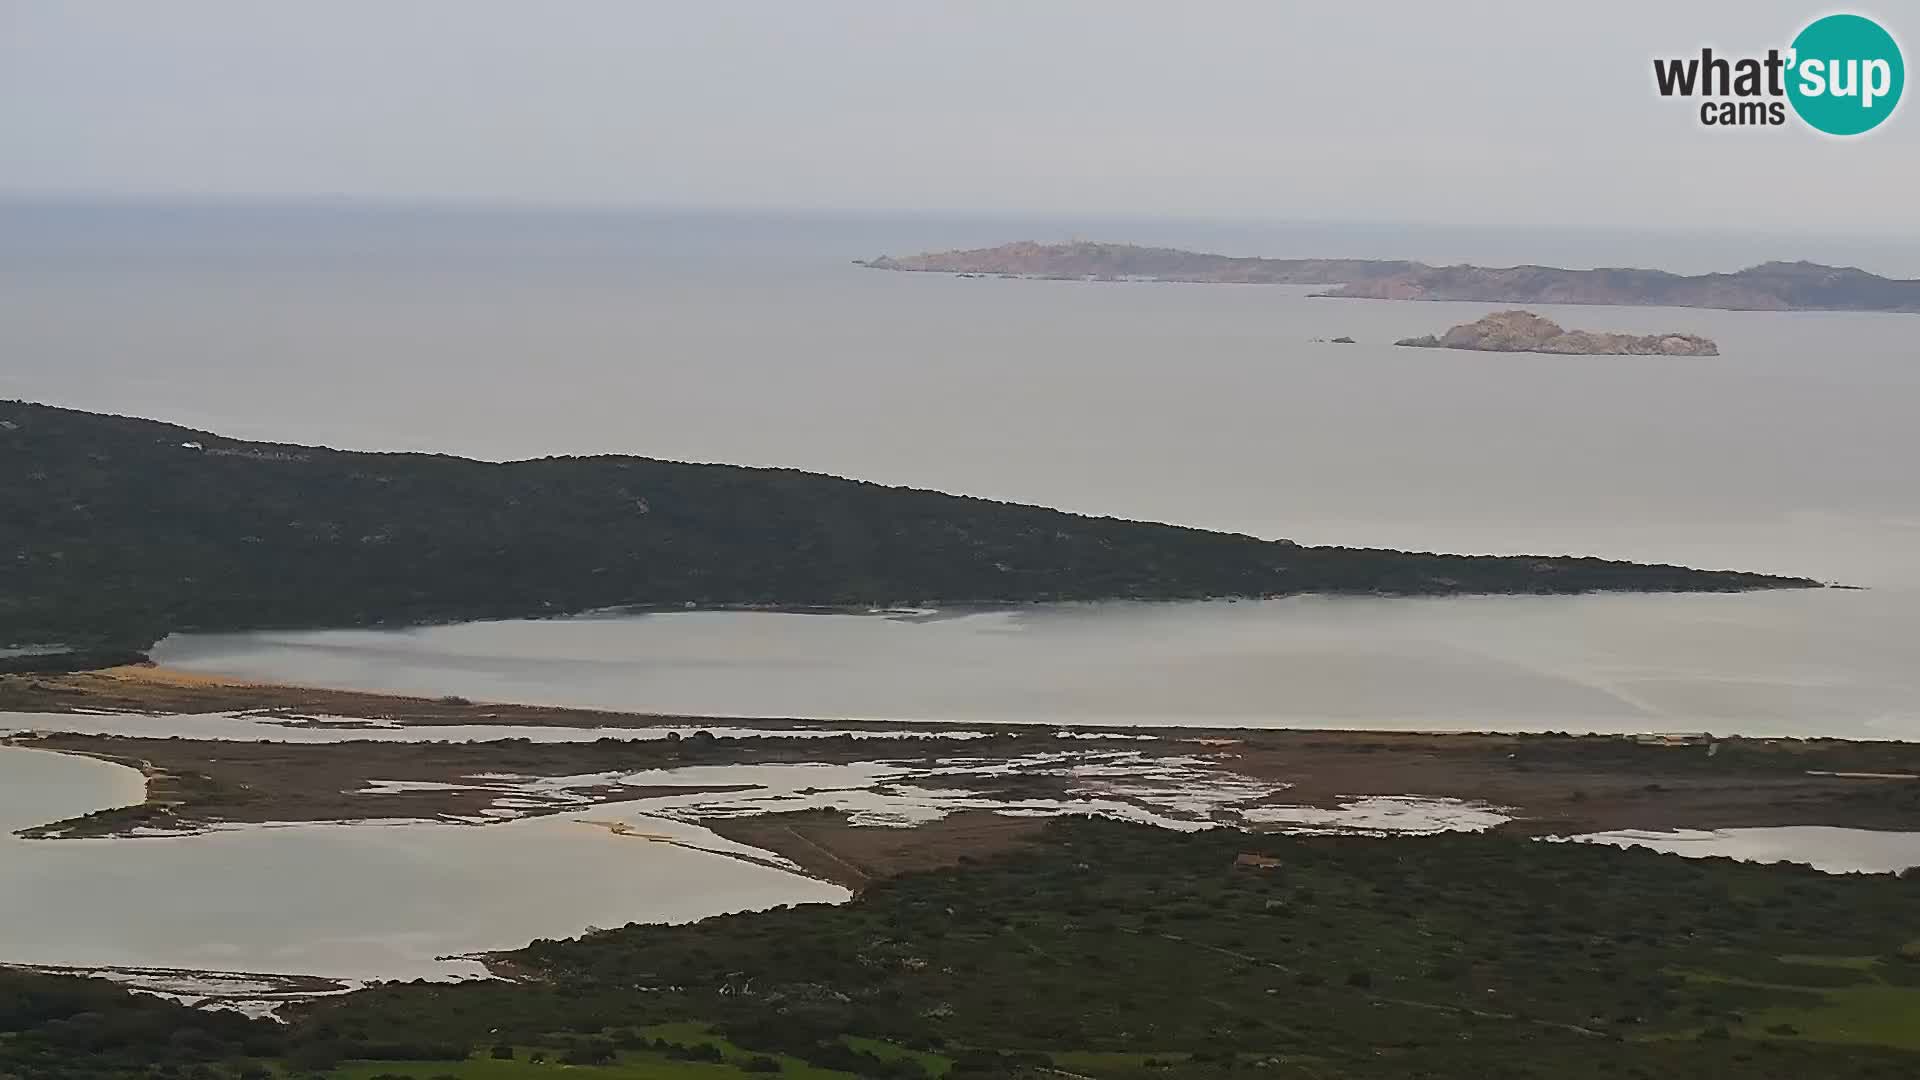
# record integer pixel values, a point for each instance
(1545, 783)
(1767, 286)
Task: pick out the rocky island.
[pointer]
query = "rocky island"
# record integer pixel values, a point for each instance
(1771, 286)
(1523, 331)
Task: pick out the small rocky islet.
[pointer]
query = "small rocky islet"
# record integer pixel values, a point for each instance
(1524, 331)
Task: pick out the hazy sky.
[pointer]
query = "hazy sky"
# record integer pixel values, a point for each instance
(1524, 112)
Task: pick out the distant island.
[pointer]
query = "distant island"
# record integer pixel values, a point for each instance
(1119, 262)
(117, 531)
(1772, 286)
(1523, 331)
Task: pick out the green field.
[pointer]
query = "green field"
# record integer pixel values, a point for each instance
(637, 1067)
(633, 1064)
(1864, 1000)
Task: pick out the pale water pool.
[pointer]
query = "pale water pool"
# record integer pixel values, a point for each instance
(1832, 663)
(348, 901)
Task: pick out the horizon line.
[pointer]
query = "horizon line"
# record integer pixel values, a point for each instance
(107, 199)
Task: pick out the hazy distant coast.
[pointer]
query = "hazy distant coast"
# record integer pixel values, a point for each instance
(1770, 286)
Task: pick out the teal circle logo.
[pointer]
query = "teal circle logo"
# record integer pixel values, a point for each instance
(1846, 74)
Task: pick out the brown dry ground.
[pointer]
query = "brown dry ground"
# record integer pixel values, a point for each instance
(1554, 783)
(152, 689)
(826, 846)
(147, 688)
(193, 784)
(1562, 783)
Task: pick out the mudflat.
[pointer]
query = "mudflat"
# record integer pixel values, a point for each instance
(1544, 784)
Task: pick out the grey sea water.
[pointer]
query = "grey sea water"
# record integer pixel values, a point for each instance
(753, 339)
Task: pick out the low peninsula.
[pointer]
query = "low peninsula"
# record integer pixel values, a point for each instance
(1770, 286)
(116, 531)
(1523, 331)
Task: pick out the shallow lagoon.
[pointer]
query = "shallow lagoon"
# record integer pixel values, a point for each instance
(1841, 663)
(1835, 850)
(396, 900)
(354, 902)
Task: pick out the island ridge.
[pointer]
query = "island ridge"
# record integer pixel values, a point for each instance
(1771, 286)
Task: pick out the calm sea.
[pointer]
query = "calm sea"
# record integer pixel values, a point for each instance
(752, 339)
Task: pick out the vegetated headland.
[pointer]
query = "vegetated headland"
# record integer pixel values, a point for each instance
(1771, 286)
(116, 531)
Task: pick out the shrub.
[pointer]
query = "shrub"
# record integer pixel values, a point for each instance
(590, 1052)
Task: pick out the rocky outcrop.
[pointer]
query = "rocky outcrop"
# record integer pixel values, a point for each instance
(1773, 286)
(1523, 331)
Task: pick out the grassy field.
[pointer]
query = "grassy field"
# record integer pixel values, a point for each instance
(1860, 1000)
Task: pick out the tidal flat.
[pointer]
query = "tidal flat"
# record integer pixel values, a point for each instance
(366, 821)
(357, 901)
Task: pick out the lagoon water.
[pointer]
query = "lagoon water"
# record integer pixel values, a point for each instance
(1827, 662)
(1833, 850)
(351, 902)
